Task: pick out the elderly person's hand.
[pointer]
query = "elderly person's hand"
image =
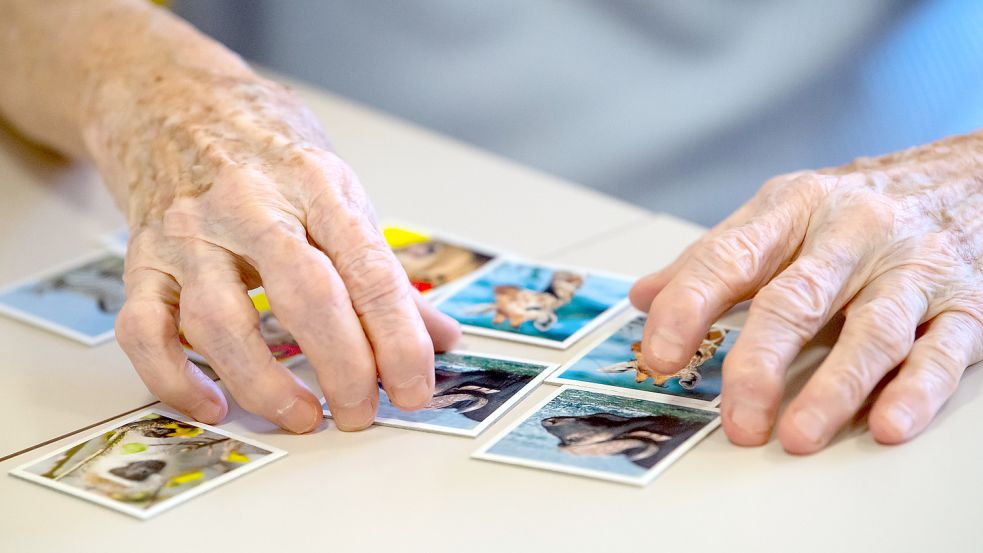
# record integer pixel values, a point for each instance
(895, 242)
(228, 182)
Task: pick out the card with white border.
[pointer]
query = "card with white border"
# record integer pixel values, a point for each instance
(434, 259)
(148, 463)
(615, 363)
(626, 438)
(535, 303)
(79, 299)
(471, 391)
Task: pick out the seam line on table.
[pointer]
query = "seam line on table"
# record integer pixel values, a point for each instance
(74, 432)
(596, 237)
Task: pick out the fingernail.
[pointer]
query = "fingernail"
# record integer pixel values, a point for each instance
(751, 418)
(355, 415)
(413, 392)
(207, 411)
(810, 424)
(668, 346)
(901, 418)
(298, 417)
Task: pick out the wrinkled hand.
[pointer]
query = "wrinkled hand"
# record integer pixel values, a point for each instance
(230, 183)
(896, 243)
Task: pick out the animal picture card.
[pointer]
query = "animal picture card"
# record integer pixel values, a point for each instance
(535, 303)
(623, 438)
(433, 260)
(148, 463)
(79, 300)
(471, 392)
(282, 344)
(616, 363)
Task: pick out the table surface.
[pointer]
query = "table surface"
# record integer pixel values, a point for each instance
(399, 490)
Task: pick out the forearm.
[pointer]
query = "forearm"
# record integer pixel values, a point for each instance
(67, 64)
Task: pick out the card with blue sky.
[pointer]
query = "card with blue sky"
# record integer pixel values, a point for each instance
(148, 463)
(535, 303)
(79, 300)
(615, 363)
(625, 437)
(471, 391)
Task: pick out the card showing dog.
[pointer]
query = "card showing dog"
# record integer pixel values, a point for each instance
(282, 344)
(79, 300)
(434, 260)
(535, 303)
(616, 363)
(622, 438)
(471, 392)
(148, 463)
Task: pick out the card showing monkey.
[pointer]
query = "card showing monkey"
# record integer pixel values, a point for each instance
(616, 363)
(79, 300)
(471, 392)
(623, 438)
(282, 344)
(535, 303)
(432, 260)
(148, 463)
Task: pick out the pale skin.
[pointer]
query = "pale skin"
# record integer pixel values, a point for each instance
(229, 182)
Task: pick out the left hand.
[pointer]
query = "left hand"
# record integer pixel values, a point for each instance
(895, 242)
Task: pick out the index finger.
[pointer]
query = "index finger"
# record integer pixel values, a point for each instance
(725, 270)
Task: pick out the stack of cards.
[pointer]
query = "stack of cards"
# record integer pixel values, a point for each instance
(613, 417)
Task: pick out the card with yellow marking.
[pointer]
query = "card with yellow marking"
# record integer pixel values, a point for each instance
(433, 260)
(148, 463)
(282, 344)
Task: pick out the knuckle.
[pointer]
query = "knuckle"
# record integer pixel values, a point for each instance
(336, 195)
(762, 377)
(273, 234)
(374, 279)
(884, 327)
(941, 367)
(875, 212)
(735, 258)
(213, 321)
(127, 326)
(803, 188)
(137, 329)
(853, 383)
(797, 300)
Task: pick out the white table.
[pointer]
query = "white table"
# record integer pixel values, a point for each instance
(394, 490)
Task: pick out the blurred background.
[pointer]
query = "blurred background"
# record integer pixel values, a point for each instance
(683, 106)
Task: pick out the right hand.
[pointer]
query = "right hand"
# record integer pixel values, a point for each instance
(229, 183)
